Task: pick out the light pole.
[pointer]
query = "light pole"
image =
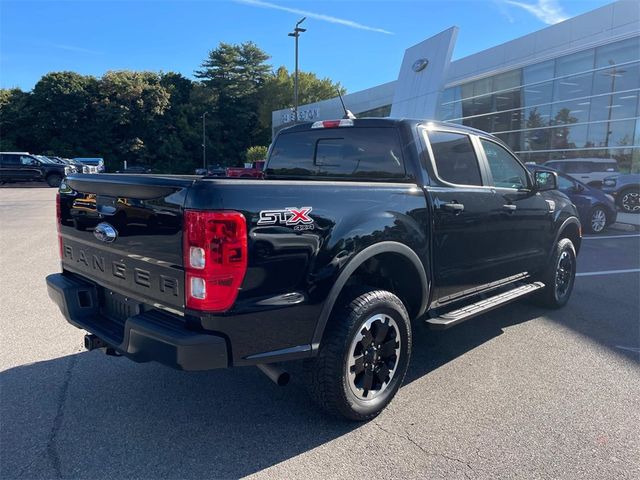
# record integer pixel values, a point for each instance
(615, 72)
(204, 141)
(296, 33)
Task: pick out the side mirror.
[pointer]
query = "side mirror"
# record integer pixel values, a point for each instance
(577, 188)
(545, 180)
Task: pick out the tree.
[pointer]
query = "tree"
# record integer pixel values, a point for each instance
(13, 120)
(61, 108)
(235, 74)
(129, 110)
(256, 154)
(277, 92)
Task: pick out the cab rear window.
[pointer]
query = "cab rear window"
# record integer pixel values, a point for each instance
(359, 153)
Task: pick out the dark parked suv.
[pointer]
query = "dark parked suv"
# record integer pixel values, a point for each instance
(24, 167)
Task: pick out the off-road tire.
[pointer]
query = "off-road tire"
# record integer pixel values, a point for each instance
(326, 374)
(550, 296)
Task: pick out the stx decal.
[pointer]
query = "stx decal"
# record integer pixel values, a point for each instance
(291, 216)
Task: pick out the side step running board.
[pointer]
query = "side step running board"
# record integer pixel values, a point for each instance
(455, 317)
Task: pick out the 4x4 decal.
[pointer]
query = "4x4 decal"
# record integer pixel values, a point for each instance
(295, 217)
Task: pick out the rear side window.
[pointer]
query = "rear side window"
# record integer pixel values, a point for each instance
(10, 159)
(455, 158)
(362, 153)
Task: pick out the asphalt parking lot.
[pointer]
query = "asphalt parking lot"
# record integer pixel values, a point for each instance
(521, 392)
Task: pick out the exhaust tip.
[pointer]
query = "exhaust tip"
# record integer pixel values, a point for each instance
(283, 379)
(276, 374)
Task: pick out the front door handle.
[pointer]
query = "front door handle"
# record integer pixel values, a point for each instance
(453, 207)
(509, 207)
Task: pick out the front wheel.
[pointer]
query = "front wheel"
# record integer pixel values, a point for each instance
(559, 276)
(54, 180)
(363, 357)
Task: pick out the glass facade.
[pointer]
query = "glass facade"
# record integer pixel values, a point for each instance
(582, 105)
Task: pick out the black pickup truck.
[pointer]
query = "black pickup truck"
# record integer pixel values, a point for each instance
(359, 229)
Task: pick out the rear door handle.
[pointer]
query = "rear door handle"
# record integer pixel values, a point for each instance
(509, 207)
(453, 207)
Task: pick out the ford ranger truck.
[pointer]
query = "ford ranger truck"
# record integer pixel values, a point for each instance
(360, 231)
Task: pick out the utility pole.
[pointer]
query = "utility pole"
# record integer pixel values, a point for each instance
(204, 141)
(296, 34)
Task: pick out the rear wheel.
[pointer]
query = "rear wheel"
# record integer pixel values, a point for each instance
(559, 276)
(629, 200)
(363, 358)
(54, 180)
(597, 220)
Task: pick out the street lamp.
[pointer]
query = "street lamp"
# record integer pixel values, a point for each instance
(296, 33)
(615, 72)
(204, 141)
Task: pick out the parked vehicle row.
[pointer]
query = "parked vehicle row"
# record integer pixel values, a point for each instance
(254, 170)
(597, 210)
(27, 167)
(602, 173)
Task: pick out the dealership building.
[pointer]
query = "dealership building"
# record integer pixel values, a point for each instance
(571, 90)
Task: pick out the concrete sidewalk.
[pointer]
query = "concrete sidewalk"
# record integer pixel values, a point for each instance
(627, 222)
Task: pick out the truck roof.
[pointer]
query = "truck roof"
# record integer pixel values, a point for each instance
(392, 122)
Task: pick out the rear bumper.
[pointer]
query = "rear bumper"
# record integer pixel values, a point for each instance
(147, 336)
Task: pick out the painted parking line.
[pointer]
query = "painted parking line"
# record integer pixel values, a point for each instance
(599, 237)
(607, 272)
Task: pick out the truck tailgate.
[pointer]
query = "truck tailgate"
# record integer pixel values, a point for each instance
(124, 232)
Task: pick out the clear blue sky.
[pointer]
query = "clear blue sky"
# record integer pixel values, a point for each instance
(359, 43)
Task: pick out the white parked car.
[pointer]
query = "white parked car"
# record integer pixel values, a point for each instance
(591, 171)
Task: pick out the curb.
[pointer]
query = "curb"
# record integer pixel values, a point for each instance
(624, 227)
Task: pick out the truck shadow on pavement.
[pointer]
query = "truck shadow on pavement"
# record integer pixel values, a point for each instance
(91, 416)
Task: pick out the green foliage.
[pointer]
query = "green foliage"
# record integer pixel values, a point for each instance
(278, 91)
(256, 153)
(155, 119)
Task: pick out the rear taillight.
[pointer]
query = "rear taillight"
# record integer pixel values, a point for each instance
(215, 258)
(58, 222)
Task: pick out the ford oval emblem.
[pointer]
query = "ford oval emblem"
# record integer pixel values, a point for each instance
(105, 232)
(420, 64)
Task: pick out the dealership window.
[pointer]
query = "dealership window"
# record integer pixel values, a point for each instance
(455, 158)
(614, 107)
(538, 139)
(575, 86)
(575, 63)
(383, 111)
(507, 80)
(505, 170)
(573, 111)
(538, 72)
(508, 100)
(611, 134)
(617, 79)
(618, 52)
(569, 137)
(477, 106)
(537, 94)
